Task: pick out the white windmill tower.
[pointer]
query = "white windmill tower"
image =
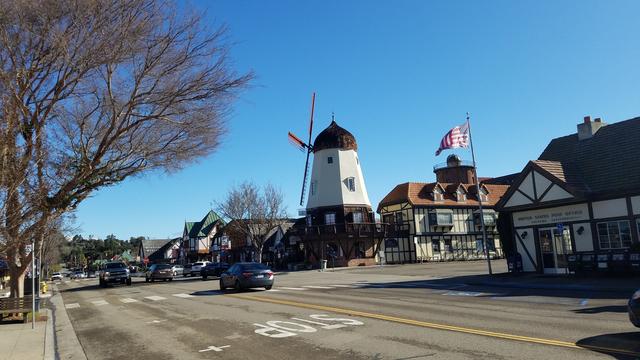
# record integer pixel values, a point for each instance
(338, 204)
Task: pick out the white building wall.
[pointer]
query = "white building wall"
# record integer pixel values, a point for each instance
(530, 244)
(584, 241)
(330, 180)
(635, 204)
(609, 208)
(556, 193)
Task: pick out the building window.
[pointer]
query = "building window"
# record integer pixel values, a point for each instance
(399, 217)
(437, 195)
(460, 196)
(351, 184)
(314, 185)
(387, 219)
(614, 234)
(330, 160)
(357, 217)
(330, 218)
(444, 219)
(309, 220)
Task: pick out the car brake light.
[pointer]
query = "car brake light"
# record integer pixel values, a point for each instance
(247, 274)
(270, 274)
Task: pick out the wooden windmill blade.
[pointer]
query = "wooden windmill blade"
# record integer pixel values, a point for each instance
(309, 150)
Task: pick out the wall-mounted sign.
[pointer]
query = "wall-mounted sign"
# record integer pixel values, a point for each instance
(552, 216)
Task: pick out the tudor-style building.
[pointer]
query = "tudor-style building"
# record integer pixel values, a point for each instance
(197, 238)
(581, 195)
(340, 225)
(441, 220)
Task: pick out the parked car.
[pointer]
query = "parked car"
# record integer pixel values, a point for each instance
(186, 270)
(247, 275)
(114, 272)
(56, 276)
(213, 269)
(78, 274)
(159, 272)
(177, 270)
(634, 308)
(195, 269)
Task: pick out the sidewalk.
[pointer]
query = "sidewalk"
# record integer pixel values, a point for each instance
(596, 282)
(19, 342)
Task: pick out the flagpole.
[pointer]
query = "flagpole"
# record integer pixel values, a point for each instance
(475, 170)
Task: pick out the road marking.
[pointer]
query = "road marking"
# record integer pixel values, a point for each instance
(72, 306)
(215, 348)
(462, 293)
(128, 300)
(183, 295)
(317, 287)
(272, 290)
(344, 286)
(155, 298)
(156, 321)
(424, 324)
(291, 288)
(99, 302)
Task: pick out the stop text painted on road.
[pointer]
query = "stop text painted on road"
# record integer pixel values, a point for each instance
(282, 329)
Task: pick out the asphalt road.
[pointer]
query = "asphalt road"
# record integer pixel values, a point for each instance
(362, 314)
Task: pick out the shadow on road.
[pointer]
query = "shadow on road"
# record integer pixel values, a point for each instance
(620, 346)
(602, 309)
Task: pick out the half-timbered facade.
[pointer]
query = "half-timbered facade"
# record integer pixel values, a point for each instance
(581, 196)
(197, 238)
(441, 220)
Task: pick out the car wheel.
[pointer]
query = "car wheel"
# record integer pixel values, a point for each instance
(174, 273)
(222, 287)
(129, 282)
(170, 279)
(237, 286)
(268, 287)
(204, 277)
(146, 279)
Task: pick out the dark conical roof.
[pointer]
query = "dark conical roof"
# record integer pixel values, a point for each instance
(335, 137)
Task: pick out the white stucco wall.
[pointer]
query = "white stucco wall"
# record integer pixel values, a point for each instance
(584, 242)
(527, 186)
(609, 208)
(542, 183)
(330, 179)
(556, 193)
(635, 203)
(530, 244)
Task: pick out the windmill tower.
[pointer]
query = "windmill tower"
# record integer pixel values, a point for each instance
(340, 224)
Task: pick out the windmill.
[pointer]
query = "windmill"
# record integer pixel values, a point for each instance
(302, 146)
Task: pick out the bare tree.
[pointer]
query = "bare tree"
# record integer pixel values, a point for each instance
(253, 213)
(93, 92)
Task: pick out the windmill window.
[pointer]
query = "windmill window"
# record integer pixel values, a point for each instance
(314, 185)
(351, 184)
(330, 218)
(357, 217)
(309, 220)
(330, 160)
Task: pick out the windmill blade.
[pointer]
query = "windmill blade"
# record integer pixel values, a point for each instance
(295, 141)
(304, 179)
(313, 105)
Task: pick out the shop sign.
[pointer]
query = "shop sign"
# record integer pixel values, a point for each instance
(552, 216)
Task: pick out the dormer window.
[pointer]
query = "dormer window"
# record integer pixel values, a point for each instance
(483, 195)
(437, 195)
(351, 184)
(460, 195)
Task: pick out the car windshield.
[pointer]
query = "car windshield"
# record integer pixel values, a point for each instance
(254, 266)
(197, 264)
(115, 266)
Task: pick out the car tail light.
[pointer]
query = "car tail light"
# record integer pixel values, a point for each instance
(270, 274)
(247, 274)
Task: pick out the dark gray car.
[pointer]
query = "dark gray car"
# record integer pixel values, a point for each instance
(159, 272)
(247, 275)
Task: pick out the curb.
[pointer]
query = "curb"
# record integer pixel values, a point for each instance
(67, 345)
(550, 287)
(49, 338)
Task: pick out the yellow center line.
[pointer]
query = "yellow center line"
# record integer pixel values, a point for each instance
(528, 339)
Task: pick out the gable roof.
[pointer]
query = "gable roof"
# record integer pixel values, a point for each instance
(608, 160)
(421, 194)
(153, 245)
(203, 227)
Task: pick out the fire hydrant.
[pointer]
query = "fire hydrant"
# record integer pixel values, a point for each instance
(43, 287)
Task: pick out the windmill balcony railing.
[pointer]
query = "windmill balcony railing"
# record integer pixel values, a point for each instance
(358, 229)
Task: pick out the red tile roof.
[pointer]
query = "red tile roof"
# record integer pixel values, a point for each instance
(421, 194)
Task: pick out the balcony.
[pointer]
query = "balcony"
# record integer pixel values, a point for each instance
(351, 229)
(445, 165)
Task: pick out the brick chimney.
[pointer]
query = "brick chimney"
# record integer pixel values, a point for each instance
(588, 128)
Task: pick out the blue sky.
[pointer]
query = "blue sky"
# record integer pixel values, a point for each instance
(398, 75)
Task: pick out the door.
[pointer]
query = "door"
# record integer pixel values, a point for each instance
(554, 247)
(546, 249)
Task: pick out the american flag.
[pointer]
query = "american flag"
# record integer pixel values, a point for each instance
(458, 137)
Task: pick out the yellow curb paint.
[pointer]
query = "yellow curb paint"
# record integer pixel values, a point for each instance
(528, 339)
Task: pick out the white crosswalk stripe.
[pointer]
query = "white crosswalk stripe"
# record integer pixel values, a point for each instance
(155, 298)
(99, 302)
(128, 300)
(272, 290)
(72, 306)
(344, 286)
(183, 295)
(317, 287)
(291, 288)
